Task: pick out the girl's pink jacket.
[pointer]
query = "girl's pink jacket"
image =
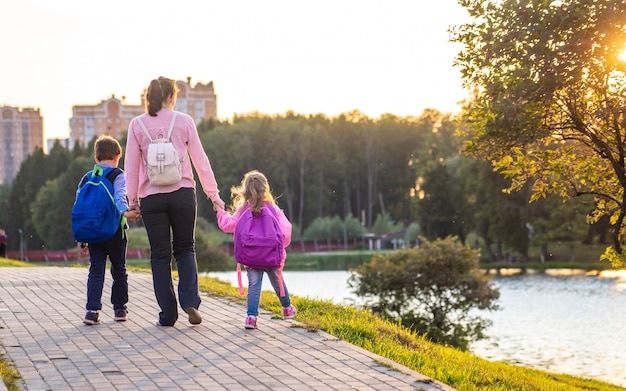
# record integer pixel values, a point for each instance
(187, 143)
(228, 223)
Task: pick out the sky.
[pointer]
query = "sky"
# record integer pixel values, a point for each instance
(309, 57)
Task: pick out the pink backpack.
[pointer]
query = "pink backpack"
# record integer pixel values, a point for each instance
(258, 241)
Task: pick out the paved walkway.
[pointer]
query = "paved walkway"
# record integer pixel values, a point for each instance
(41, 331)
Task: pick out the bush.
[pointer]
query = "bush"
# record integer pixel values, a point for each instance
(430, 289)
(138, 238)
(210, 258)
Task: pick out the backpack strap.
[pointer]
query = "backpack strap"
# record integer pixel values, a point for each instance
(169, 131)
(98, 172)
(143, 127)
(270, 207)
(113, 174)
(241, 291)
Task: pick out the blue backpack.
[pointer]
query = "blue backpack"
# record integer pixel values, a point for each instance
(258, 241)
(95, 218)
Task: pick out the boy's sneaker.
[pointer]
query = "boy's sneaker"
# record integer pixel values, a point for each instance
(121, 315)
(251, 322)
(289, 312)
(91, 318)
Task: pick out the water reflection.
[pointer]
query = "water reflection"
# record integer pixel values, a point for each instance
(562, 321)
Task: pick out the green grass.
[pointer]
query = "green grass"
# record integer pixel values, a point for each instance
(9, 374)
(460, 370)
(4, 262)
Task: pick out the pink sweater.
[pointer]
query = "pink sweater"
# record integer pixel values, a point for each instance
(187, 143)
(228, 223)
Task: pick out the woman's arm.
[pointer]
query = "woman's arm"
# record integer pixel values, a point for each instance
(132, 159)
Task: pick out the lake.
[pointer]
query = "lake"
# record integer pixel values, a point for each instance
(563, 321)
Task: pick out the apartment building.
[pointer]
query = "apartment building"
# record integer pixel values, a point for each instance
(112, 116)
(21, 132)
(199, 101)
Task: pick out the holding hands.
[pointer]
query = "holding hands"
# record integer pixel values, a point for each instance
(133, 213)
(83, 247)
(218, 204)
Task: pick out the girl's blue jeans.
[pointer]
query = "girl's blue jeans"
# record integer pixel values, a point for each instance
(255, 281)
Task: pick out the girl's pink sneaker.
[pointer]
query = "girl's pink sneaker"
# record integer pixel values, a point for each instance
(251, 322)
(289, 312)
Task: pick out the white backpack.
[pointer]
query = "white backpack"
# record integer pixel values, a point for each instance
(162, 162)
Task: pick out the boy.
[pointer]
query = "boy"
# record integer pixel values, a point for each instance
(107, 154)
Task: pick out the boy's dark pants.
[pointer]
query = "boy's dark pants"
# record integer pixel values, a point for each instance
(115, 249)
(170, 221)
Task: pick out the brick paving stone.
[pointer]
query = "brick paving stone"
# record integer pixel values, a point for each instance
(41, 331)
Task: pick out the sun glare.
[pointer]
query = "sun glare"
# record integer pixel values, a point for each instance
(617, 274)
(622, 56)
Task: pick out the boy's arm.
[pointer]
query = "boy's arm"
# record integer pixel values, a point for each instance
(119, 193)
(121, 200)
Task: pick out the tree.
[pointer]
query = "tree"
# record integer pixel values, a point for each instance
(5, 192)
(397, 176)
(550, 92)
(382, 225)
(319, 229)
(52, 208)
(50, 219)
(439, 212)
(354, 228)
(497, 217)
(31, 177)
(412, 234)
(552, 220)
(433, 289)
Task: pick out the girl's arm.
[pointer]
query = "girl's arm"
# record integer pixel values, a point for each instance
(285, 226)
(226, 222)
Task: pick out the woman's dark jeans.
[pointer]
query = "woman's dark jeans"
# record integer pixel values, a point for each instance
(170, 221)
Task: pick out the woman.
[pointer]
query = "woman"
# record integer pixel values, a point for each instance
(169, 211)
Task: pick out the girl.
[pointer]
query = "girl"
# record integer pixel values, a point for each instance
(255, 192)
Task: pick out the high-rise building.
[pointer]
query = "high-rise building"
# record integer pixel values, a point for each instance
(113, 115)
(110, 116)
(20, 133)
(199, 101)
